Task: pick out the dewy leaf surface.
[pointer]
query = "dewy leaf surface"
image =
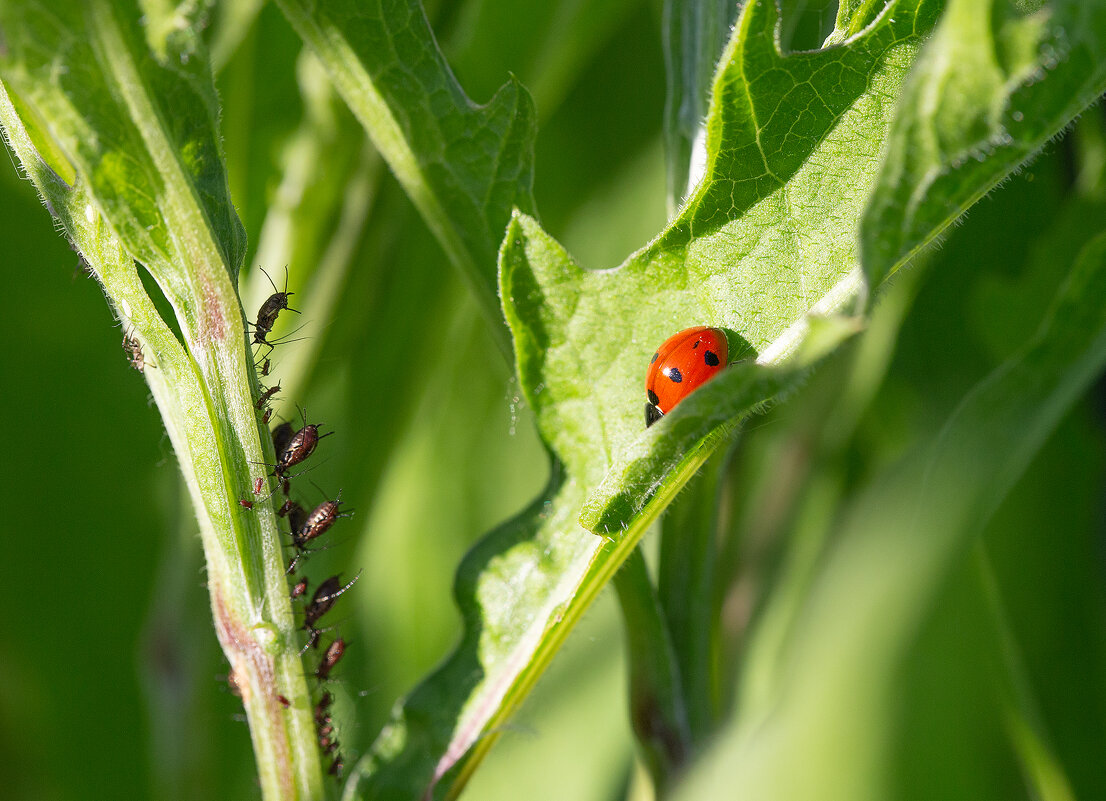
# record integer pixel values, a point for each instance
(997, 80)
(464, 166)
(768, 238)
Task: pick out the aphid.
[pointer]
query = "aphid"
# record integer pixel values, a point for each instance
(682, 364)
(330, 658)
(267, 314)
(299, 588)
(320, 708)
(337, 766)
(318, 522)
(246, 504)
(265, 418)
(297, 517)
(299, 446)
(266, 395)
(281, 435)
(133, 349)
(327, 728)
(321, 603)
(258, 483)
(323, 599)
(232, 683)
(284, 702)
(328, 744)
(265, 365)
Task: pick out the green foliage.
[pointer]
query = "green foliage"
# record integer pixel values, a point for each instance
(826, 587)
(997, 81)
(464, 166)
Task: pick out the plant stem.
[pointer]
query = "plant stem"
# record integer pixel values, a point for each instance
(203, 389)
(657, 709)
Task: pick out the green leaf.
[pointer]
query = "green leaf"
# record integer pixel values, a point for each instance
(765, 243)
(996, 82)
(833, 692)
(464, 166)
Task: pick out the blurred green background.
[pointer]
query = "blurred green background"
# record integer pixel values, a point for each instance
(111, 681)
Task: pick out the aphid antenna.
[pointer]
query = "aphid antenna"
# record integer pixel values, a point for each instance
(302, 553)
(338, 498)
(315, 632)
(289, 478)
(284, 340)
(348, 584)
(286, 293)
(303, 417)
(333, 543)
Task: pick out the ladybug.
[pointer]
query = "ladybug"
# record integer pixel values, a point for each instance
(684, 363)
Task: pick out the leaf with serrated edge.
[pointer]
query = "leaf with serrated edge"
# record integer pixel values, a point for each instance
(765, 240)
(992, 86)
(464, 166)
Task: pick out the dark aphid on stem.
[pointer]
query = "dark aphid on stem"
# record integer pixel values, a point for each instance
(299, 588)
(299, 446)
(323, 704)
(328, 744)
(297, 517)
(324, 598)
(245, 504)
(318, 522)
(258, 483)
(265, 418)
(284, 702)
(331, 657)
(321, 603)
(267, 314)
(327, 728)
(265, 397)
(265, 365)
(337, 766)
(281, 435)
(133, 348)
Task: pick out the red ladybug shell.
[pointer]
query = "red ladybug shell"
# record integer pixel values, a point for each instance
(684, 363)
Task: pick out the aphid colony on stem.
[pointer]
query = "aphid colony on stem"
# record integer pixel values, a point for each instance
(292, 447)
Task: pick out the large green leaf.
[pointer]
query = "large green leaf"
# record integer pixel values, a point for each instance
(464, 166)
(995, 83)
(767, 238)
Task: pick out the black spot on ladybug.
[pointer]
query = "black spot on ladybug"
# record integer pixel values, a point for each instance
(711, 358)
(652, 414)
(673, 374)
(655, 356)
(653, 399)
